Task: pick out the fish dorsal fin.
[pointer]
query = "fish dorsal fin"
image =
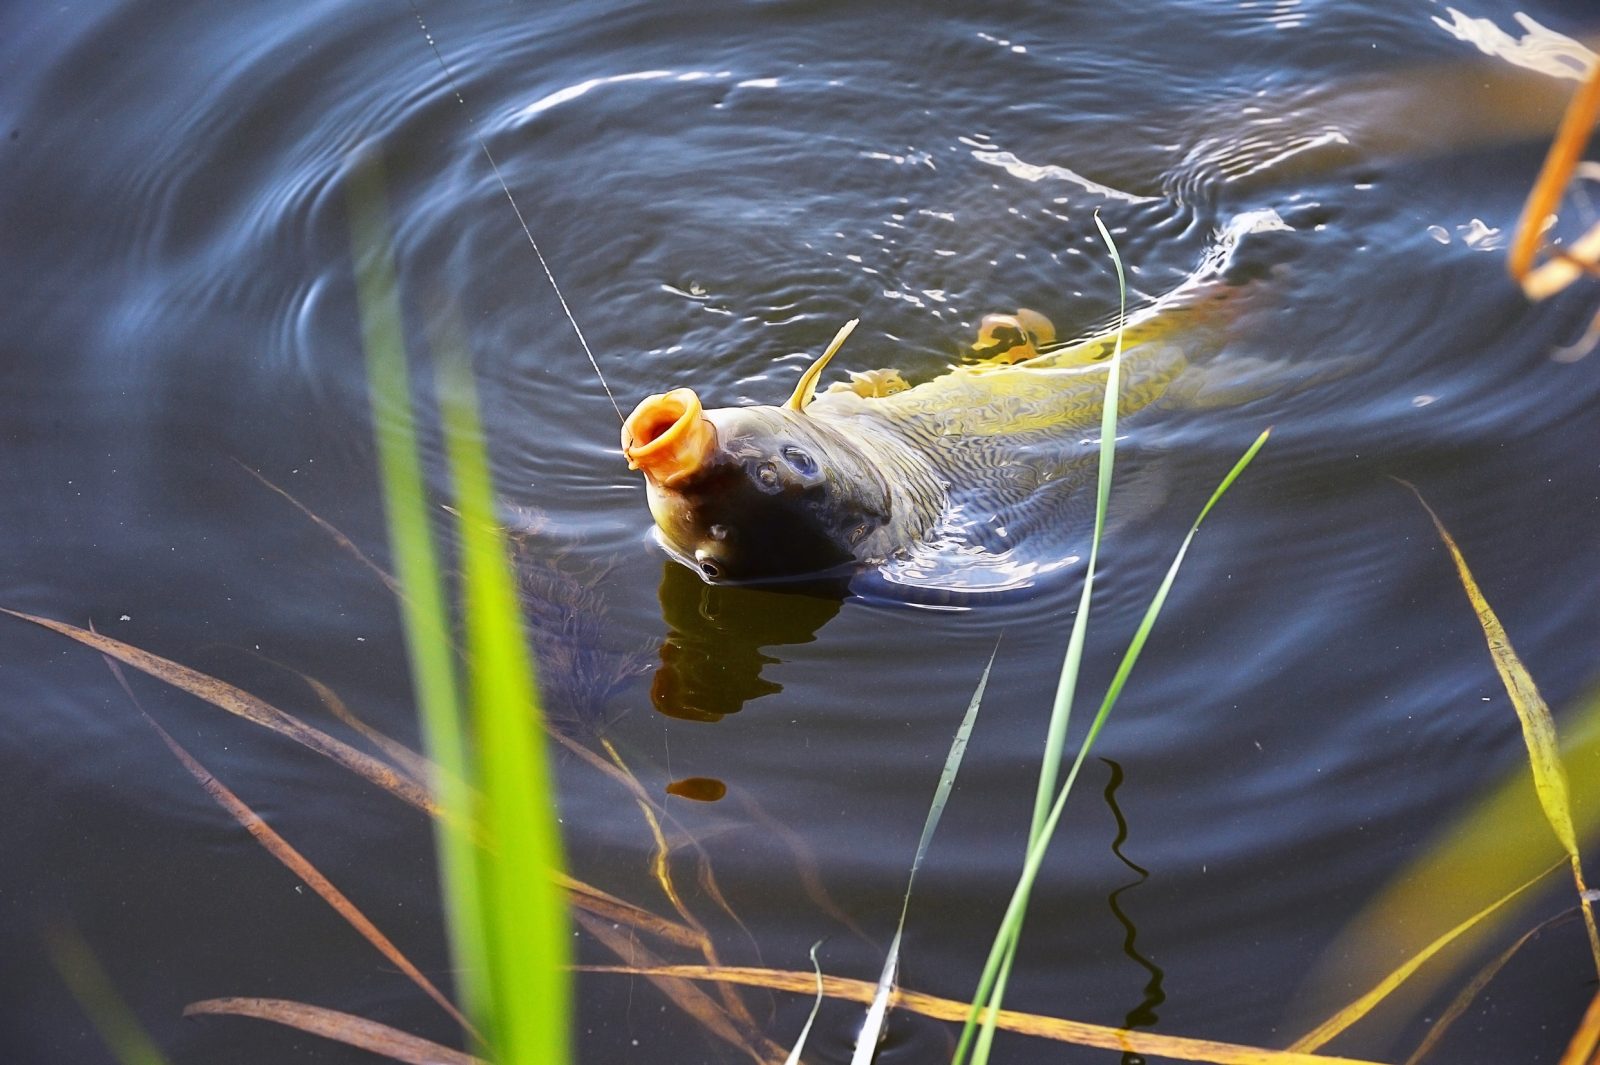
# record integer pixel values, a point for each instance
(808, 380)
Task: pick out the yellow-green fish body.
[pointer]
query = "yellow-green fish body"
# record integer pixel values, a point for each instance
(874, 472)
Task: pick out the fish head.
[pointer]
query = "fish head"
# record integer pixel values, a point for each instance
(754, 493)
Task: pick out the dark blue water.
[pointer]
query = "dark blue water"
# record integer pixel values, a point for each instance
(717, 188)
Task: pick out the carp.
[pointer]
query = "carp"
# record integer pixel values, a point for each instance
(874, 472)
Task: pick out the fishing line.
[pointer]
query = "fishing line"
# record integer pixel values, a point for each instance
(455, 89)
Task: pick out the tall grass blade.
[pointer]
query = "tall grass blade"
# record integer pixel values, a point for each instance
(997, 971)
(1485, 853)
(872, 1028)
(1465, 997)
(1538, 727)
(1057, 1029)
(341, 1027)
(816, 1007)
(529, 939)
(97, 996)
(423, 602)
(1011, 923)
(1364, 1005)
(507, 922)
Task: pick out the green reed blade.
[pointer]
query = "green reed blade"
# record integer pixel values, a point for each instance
(992, 983)
(529, 940)
(416, 566)
(1011, 925)
(877, 1012)
(1538, 726)
(507, 924)
(105, 1007)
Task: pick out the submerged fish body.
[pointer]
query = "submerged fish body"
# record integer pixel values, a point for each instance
(870, 473)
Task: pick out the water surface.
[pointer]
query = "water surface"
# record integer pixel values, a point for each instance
(717, 189)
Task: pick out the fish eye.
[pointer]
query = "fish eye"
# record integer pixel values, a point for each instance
(710, 569)
(803, 464)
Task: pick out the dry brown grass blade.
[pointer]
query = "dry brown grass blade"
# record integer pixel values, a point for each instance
(1579, 259)
(338, 537)
(661, 870)
(407, 761)
(1464, 999)
(1364, 1005)
(412, 763)
(237, 701)
(1125, 1040)
(806, 866)
(242, 703)
(1584, 1049)
(1565, 152)
(292, 859)
(1538, 726)
(341, 1027)
(687, 997)
(592, 900)
(421, 769)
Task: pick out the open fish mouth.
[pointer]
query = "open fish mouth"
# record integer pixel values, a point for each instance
(669, 437)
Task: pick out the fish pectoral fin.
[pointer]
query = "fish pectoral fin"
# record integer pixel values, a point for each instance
(1011, 338)
(872, 384)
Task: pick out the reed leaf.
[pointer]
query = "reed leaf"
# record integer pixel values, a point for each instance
(507, 925)
(1465, 997)
(978, 1036)
(1011, 923)
(1538, 726)
(1485, 853)
(811, 1018)
(681, 991)
(225, 696)
(1080, 1033)
(341, 1027)
(297, 863)
(408, 761)
(872, 1028)
(99, 999)
(996, 972)
(1364, 1005)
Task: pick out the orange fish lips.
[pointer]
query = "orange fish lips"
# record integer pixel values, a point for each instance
(669, 437)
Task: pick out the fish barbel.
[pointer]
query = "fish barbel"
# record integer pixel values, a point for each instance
(866, 470)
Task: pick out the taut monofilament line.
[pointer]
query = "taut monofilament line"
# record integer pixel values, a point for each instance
(455, 90)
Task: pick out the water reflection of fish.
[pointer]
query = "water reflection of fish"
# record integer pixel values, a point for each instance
(869, 472)
(580, 669)
(719, 639)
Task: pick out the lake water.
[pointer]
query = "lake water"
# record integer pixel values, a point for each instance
(717, 187)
